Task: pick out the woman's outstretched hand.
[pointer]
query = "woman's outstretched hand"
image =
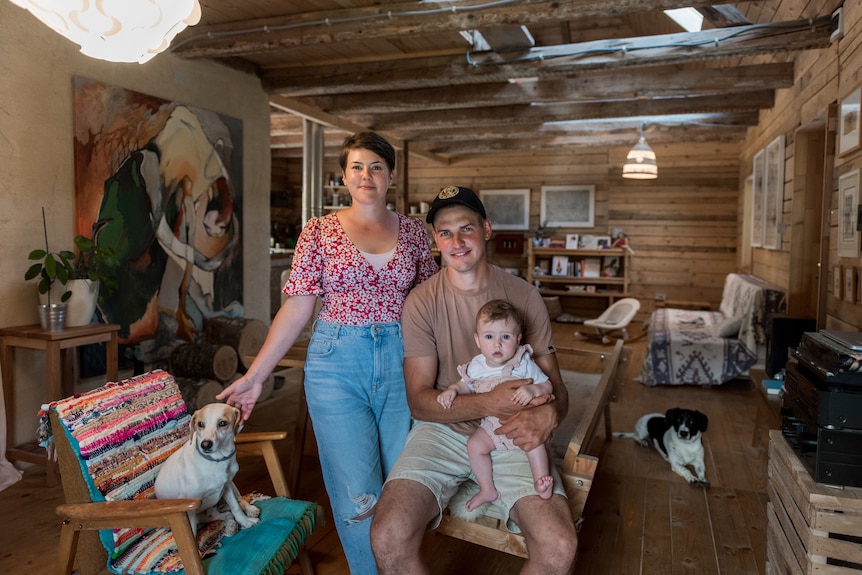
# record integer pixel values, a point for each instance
(242, 394)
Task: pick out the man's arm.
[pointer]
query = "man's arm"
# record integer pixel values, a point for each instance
(532, 427)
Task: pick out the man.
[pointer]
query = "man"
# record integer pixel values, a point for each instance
(438, 323)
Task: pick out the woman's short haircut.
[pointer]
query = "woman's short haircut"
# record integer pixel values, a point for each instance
(370, 141)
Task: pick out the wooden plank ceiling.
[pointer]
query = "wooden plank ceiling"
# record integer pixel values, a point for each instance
(480, 76)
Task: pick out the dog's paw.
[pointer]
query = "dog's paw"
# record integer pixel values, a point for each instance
(700, 483)
(246, 521)
(250, 510)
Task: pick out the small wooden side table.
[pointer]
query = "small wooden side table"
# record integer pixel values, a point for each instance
(58, 385)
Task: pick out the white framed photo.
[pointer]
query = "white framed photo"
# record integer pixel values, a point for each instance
(603, 242)
(848, 202)
(507, 209)
(568, 206)
(773, 193)
(572, 241)
(848, 122)
(757, 198)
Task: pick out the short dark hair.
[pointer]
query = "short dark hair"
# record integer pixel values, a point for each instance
(500, 309)
(370, 141)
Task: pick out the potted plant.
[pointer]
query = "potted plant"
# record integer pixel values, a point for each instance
(50, 267)
(91, 274)
(539, 235)
(82, 276)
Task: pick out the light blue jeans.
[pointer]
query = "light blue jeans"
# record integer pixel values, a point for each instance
(354, 384)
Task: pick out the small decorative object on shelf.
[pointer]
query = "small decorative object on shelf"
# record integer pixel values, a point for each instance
(596, 272)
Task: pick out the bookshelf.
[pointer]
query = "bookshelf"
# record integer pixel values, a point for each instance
(584, 273)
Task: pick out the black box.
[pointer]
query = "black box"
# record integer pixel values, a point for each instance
(783, 332)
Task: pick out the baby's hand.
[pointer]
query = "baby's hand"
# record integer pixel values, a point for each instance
(522, 395)
(445, 398)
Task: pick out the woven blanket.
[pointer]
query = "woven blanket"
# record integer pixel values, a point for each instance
(684, 347)
(122, 433)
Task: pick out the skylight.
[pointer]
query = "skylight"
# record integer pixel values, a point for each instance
(689, 18)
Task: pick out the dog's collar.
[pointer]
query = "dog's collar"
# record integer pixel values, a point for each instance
(209, 457)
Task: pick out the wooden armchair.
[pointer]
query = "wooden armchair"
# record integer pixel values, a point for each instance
(577, 469)
(110, 443)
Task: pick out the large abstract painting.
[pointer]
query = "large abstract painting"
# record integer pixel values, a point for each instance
(160, 183)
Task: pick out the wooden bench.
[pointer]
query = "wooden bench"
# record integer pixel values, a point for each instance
(578, 468)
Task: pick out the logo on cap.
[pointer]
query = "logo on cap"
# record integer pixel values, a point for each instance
(448, 192)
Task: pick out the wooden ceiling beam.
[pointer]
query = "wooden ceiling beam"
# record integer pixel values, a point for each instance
(305, 111)
(634, 84)
(548, 61)
(262, 35)
(480, 118)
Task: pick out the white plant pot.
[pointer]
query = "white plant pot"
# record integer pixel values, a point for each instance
(82, 303)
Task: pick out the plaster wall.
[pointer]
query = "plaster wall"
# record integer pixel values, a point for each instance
(36, 163)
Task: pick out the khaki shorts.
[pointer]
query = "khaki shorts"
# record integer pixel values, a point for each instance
(436, 456)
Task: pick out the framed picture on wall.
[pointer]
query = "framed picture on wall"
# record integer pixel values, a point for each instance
(757, 171)
(773, 193)
(848, 122)
(849, 284)
(848, 201)
(568, 206)
(507, 209)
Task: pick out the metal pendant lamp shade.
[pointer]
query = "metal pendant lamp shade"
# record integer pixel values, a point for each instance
(640, 162)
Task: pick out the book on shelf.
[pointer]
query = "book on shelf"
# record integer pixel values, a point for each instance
(560, 266)
(592, 267)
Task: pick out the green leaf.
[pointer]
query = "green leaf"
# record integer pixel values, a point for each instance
(33, 271)
(37, 254)
(51, 266)
(66, 296)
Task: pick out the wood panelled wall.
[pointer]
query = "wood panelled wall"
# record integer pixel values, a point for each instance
(823, 77)
(683, 226)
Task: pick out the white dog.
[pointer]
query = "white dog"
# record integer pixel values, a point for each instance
(677, 436)
(204, 469)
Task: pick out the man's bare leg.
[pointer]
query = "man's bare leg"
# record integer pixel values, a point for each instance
(549, 530)
(400, 519)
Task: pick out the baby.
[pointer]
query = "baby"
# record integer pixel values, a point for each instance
(502, 358)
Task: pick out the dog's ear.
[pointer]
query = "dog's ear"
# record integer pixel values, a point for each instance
(672, 415)
(237, 419)
(192, 426)
(701, 420)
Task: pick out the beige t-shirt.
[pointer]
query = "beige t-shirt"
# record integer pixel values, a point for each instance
(439, 321)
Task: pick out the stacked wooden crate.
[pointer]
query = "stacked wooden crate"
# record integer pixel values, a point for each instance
(812, 528)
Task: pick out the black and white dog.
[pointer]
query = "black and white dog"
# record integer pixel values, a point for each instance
(677, 436)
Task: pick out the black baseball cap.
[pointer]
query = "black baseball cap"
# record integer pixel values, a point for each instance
(455, 195)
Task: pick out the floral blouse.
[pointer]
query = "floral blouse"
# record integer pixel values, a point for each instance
(327, 264)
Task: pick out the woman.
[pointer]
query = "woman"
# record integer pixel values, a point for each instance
(361, 261)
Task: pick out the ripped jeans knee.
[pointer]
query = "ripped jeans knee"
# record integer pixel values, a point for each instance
(364, 507)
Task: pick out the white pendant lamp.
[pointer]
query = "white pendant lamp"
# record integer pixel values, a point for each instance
(117, 30)
(640, 162)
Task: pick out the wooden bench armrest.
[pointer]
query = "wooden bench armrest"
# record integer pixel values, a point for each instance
(598, 402)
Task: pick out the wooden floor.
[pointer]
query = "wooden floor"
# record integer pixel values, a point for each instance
(640, 518)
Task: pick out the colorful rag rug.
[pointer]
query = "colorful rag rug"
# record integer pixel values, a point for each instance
(122, 432)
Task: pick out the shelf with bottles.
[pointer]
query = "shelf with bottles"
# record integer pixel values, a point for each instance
(579, 272)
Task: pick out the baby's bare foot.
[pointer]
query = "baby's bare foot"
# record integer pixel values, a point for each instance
(484, 496)
(545, 486)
